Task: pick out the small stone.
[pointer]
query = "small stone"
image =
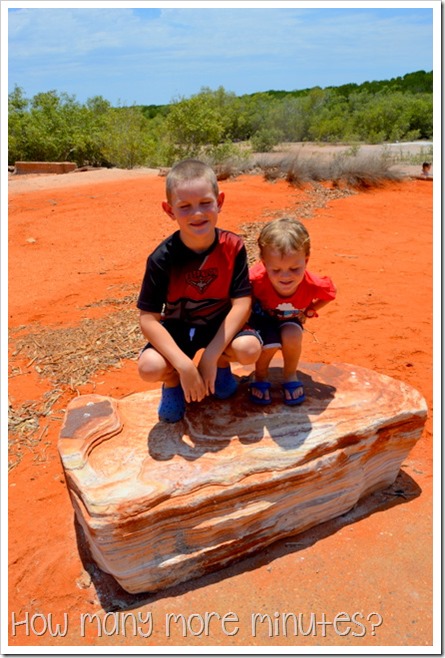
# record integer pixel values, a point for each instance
(84, 581)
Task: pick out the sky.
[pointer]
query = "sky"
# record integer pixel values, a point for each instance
(155, 53)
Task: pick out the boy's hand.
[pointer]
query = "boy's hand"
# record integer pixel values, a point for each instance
(191, 382)
(207, 368)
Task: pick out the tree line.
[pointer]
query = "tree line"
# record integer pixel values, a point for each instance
(217, 124)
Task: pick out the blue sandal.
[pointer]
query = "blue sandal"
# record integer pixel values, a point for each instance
(263, 387)
(172, 405)
(291, 387)
(225, 383)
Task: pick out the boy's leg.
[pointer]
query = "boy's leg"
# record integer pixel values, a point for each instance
(154, 368)
(291, 344)
(244, 348)
(262, 391)
(262, 365)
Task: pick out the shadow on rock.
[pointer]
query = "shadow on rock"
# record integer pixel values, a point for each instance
(210, 426)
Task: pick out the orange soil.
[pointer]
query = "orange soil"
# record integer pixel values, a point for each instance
(73, 245)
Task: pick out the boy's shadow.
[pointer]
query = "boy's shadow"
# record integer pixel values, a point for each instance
(211, 425)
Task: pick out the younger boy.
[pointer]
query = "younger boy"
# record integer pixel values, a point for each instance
(285, 295)
(195, 294)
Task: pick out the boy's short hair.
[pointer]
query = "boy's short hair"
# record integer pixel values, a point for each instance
(285, 235)
(190, 169)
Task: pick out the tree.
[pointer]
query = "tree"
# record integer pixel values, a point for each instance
(126, 138)
(193, 127)
(90, 132)
(17, 125)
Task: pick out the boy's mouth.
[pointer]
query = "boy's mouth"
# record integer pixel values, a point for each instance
(286, 287)
(199, 224)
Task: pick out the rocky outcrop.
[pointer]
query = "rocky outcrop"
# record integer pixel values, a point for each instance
(161, 503)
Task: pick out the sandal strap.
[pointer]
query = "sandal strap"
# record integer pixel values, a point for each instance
(261, 386)
(292, 386)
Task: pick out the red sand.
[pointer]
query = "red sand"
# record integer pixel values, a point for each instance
(78, 243)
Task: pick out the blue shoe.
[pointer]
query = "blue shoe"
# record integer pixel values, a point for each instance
(291, 387)
(264, 389)
(225, 383)
(172, 405)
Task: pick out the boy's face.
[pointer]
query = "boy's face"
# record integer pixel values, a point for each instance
(195, 207)
(285, 272)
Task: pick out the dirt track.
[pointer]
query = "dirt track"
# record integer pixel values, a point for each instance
(77, 250)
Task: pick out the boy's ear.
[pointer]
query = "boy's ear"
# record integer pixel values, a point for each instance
(166, 207)
(220, 200)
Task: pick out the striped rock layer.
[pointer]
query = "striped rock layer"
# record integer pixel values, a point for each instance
(164, 503)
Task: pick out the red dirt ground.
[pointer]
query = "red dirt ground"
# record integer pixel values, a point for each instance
(79, 239)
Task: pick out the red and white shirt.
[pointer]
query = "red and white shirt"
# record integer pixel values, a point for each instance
(311, 288)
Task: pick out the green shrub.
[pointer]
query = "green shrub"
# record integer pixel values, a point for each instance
(126, 141)
(265, 139)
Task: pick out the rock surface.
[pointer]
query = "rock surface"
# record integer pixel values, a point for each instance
(161, 504)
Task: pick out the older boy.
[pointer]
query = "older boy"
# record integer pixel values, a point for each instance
(195, 294)
(285, 294)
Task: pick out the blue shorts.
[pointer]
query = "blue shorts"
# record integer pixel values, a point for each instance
(269, 329)
(191, 339)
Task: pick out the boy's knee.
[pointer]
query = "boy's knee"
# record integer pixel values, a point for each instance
(247, 349)
(291, 333)
(151, 366)
(146, 372)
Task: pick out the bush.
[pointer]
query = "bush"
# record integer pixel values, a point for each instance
(126, 140)
(265, 139)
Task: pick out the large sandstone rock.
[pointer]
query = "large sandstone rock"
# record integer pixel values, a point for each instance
(161, 503)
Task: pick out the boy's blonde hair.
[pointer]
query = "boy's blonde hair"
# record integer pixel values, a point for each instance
(285, 235)
(190, 170)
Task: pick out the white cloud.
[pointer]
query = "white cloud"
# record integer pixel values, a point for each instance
(180, 50)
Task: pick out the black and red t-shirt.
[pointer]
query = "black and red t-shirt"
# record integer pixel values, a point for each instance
(195, 288)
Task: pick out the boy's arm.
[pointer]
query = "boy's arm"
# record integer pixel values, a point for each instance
(318, 304)
(311, 311)
(163, 342)
(232, 323)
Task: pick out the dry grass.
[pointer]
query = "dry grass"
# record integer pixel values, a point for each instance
(350, 171)
(24, 426)
(349, 168)
(71, 355)
(68, 358)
